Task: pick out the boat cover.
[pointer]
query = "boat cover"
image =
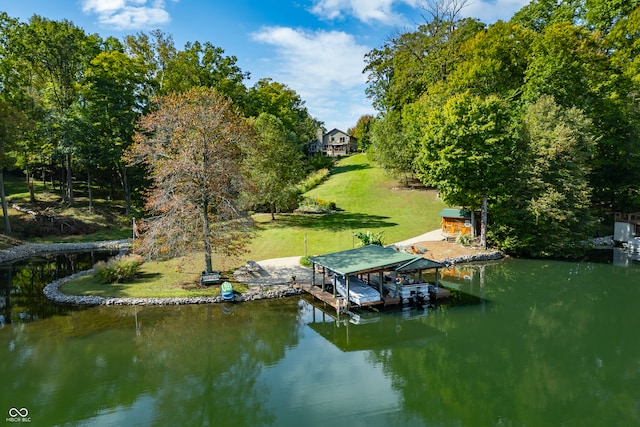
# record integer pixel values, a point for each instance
(359, 292)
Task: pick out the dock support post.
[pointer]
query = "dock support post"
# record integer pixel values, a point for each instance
(347, 286)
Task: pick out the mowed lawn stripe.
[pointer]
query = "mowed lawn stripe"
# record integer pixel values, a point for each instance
(368, 200)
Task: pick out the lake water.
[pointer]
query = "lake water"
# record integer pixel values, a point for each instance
(538, 343)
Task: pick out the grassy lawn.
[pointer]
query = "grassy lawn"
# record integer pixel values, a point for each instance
(170, 279)
(367, 200)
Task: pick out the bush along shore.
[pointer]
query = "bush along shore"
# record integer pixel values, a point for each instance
(52, 290)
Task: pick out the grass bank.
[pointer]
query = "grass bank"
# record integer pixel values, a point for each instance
(366, 198)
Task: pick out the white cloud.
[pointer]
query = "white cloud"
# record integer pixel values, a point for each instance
(489, 11)
(128, 14)
(364, 10)
(324, 68)
(386, 11)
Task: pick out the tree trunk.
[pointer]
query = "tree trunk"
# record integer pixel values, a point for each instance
(483, 223)
(474, 229)
(205, 232)
(124, 181)
(3, 199)
(89, 193)
(32, 196)
(273, 211)
(69, 179)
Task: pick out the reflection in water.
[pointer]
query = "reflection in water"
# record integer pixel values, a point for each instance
(550, 343)
(22, 282)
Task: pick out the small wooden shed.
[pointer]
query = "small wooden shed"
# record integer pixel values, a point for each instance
(456, 222)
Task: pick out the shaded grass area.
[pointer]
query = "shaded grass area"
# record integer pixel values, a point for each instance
(176, 278)
(62, 223)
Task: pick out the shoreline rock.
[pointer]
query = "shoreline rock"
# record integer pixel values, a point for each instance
(255, 292)
(487, 256)
(17, 253)
(52, 292)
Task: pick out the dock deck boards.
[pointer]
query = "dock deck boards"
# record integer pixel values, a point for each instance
(338, 302)
(323, 296)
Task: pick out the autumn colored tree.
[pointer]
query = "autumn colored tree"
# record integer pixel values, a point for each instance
(193, 148)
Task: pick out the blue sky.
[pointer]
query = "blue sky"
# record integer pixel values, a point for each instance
(315, 47)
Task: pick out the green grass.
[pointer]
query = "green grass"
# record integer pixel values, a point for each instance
(367, 199)
(176, 278)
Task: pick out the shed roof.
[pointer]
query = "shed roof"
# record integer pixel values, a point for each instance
(455, 213)
(419, 264)
(362, 259)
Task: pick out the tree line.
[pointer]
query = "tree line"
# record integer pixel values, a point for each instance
(532, 122)
(71, 104)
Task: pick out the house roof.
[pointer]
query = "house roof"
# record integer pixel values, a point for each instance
(363, 259)
(455, 213)
(334, 131)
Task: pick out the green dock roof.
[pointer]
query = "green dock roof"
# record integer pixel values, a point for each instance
(365, 258)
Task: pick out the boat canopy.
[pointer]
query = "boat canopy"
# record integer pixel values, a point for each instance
(368, 259)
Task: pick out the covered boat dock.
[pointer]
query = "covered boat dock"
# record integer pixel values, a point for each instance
(358, 276)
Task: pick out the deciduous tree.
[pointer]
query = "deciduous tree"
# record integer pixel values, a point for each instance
(194, 147)
(470, 151)
(548, 212)
(275, 165)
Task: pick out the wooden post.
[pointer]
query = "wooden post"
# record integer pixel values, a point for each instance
(346, 281)
(324, 272)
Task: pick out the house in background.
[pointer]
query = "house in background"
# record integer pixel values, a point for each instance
(333, 144)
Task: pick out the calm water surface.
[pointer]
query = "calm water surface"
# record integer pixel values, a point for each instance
(547, 343)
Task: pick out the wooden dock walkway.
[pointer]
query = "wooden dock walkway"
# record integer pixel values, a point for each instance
(339, 303)
(326, 297)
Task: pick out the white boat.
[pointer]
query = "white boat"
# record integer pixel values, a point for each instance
(359, 292)
(406, 291)
(632, 245)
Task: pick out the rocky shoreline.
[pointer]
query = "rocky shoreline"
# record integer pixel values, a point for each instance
(52, 292)
(255, 292)
(27, 250)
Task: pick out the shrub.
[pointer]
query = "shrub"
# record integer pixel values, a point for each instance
(369, 238)
(313, 180)
(464, 239)
(118, 269)
(313, 205)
